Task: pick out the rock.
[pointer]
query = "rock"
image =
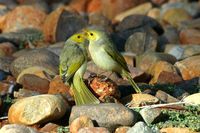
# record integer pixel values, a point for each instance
(140, 127)
(192, 8)
(176, 130)
(34, 83)
(56, 48)
(50, 24)
(93, 130)
(38, 57)
(80, 122)
(164, 97)
(158, 2)
(135, 21)
(111, 8)
(150, 115)
(27, 37)
(129, 58)
(40, 72)
(38, 4)
(37, 109)
(171, 34)
(24, 17)
(191, 24)
(140, 9)
(117, 114)
(136, 100)
(193, 99)
(190, 36)
(22, 93)
(15, 128)
(169, 16)
(154, 13)
(49, 128)
(4, 87)
(11, 4)
(79, 5)
(148, 59)
(122, 129)
(189, 67)
(5, 63)
(68, 24)
(140, 42)
(99, 20)
(182, 51)
(164, 73)
(104, 88)
(8, 48)
(57, 86)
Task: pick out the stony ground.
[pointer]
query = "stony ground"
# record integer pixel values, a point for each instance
(159, 39)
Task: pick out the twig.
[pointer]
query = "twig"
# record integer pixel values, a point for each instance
(158, 105)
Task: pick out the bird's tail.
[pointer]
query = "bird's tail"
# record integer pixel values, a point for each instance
(82, 94)
(132, 82)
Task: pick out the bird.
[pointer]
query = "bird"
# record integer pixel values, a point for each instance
(106, 56)
(73, 63)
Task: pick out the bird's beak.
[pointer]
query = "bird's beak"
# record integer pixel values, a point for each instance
(85, 33)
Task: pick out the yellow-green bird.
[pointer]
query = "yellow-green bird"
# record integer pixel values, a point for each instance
(106, 56)
(73, 63)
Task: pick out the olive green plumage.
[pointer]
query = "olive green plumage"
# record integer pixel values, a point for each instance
(106, 56)
(73, 63)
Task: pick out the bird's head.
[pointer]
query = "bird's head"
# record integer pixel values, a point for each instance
(78, 38)
(92, 35)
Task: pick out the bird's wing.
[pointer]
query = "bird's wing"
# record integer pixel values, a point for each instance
(71, 58)
(115, 54)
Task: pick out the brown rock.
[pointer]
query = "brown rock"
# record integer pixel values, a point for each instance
(164, 72)
(37, 109)
(22, 93)
(148, 59)
(24, 17)
(164, 97)
(93, 130)
(104, 88)
(118, 114)
(170, 16)
(122, 129)
(154, 13)
(189, 67)
(190, 36)
(37, 57)
(57, 86)
(50, 24)
(8, 48)
(49, 128)
(176, 130)
(37, 71)
(34, 83)
(5, 63)
(159, 2)
(4, 88)
(16, 128)
(168, 78)
(140, 9)
(139, 42)
(94, 6)
(136, 100)
(80, 122)
(79, 5)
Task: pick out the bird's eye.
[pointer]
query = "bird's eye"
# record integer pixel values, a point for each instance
(91, 34)
(78, 37)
